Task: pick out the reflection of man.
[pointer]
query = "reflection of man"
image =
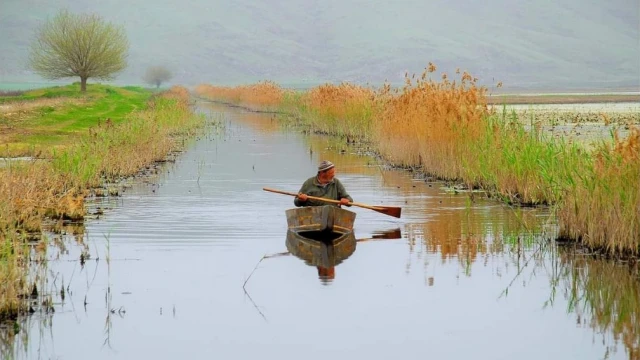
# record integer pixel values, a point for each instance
(324, 185)
(326, 274)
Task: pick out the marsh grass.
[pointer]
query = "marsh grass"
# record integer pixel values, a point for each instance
(264, 96)
(12, 284)
(602, 204)
(446, 129)
(33, 192)
(146, 135)
(519, 166)
(345, 110)
(429, 124)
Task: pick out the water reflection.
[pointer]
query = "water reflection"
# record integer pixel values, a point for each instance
(322, 236)
(603, 295)
(325, 256)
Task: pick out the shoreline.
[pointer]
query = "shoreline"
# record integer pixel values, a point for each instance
(578, 98)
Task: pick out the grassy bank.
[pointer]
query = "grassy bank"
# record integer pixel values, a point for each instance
(35, 122)
(109, 134)
(446, 128)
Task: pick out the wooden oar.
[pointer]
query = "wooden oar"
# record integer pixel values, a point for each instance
(387, 210)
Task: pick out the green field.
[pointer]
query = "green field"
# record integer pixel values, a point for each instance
(39, 120)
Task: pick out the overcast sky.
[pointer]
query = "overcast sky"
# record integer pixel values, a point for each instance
(524, 44)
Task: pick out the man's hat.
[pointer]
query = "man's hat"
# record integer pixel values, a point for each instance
(325, 165)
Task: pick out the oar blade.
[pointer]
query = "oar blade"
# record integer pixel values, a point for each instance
(389, 210)
(388, 234)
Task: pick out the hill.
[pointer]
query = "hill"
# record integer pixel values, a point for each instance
(542, 44)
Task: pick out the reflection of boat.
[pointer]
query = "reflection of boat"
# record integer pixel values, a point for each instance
(325, 254)
(322, 236)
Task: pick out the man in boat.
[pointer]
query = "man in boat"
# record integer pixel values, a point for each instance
(324, 185)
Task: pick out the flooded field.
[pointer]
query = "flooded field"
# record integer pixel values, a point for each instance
(588, 124)
(608, 107)
(168, 269)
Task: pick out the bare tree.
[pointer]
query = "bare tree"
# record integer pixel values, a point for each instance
(156, 75)
(81, 45)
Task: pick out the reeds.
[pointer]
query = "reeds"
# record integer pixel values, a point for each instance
(265, 95)
(445, 128)
(345, 110)
(602, 204)
(520, 166)
(432, 124)
(13, 285)
(147, 136)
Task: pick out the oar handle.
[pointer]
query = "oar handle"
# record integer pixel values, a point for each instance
(308, 196)
(280, 191)
(321, 199)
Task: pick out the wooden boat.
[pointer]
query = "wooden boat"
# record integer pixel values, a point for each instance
(321, 235)
(326, 219)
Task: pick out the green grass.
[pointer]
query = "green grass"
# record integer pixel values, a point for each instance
(520, 166)
(44, 126)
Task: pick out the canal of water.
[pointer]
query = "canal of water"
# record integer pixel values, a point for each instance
(191, 263)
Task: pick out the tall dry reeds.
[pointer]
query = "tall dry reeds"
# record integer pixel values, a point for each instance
(265, 95)
(444, 127)
(432, 124)
(602, 205)
(344, 110)
(32, 190)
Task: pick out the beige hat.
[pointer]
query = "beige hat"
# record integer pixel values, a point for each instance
(325, 165)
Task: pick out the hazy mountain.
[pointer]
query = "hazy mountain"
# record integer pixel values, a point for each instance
(548, 44)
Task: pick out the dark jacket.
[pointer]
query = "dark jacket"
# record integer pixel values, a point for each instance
(333, 190)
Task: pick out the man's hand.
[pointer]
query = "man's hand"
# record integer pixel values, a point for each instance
(302, 197)
(344, 201)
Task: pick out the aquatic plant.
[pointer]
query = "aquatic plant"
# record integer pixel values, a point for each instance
(602, 204)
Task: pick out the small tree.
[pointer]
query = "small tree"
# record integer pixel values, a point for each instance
(156, 75)
(82, 45)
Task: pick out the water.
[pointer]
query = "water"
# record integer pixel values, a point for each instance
(172, 269)
(608, 107)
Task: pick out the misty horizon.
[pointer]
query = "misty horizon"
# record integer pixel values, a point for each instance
(569, 45)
